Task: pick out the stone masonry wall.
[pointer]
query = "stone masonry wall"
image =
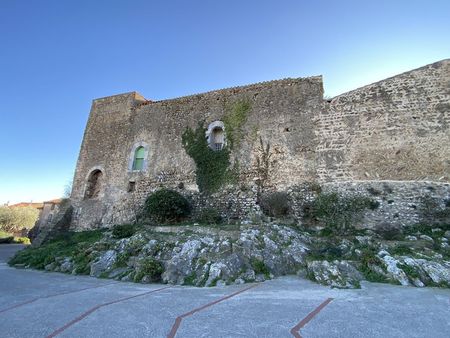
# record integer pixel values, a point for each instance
(401, 203)
(281, 114)
(395, 129)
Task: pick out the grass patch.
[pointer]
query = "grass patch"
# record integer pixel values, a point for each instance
(123, 230)
(71, 244)
(401, 250)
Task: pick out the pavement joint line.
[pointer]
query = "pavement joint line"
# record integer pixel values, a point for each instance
(95, 308)
(295, 331)
(54, 295)
(178, 320)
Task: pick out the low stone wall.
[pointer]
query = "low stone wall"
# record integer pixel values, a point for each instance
(401, 203)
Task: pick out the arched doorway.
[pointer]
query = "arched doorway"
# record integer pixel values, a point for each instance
(93, 184)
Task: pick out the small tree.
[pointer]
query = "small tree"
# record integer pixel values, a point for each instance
(15, 219)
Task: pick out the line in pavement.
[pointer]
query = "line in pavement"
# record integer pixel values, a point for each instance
(178, 320)
(295, 331)
(53, 295)
(95, 308)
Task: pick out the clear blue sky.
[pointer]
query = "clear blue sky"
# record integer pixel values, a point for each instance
(56, 56)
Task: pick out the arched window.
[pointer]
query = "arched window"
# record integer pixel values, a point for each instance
(217, 138)
(215, 135)
(93, 184)
(139, 156)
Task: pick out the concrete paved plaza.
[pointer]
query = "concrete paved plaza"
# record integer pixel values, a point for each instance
(40, 304)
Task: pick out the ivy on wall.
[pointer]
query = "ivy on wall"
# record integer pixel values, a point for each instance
(234, 120)
(212, 167)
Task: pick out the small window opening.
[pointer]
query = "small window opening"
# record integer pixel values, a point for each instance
(131, 186)
(93, 184)
(138, 162)
(217, 139)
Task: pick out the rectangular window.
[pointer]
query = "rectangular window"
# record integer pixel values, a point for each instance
(131, 186)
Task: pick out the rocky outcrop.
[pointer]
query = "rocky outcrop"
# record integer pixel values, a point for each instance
(339, 274)
(210, 256)
(104, 263)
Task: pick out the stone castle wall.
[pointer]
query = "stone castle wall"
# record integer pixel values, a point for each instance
(281, 114)
(396, 129)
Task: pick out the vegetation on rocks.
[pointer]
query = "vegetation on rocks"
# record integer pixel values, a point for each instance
(338, 213)
(202, 256)
(150, 269)
(327, 247)
(72, 245)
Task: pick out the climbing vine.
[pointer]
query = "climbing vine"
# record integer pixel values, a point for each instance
(212, 167)
(263, 165)
(234, 119)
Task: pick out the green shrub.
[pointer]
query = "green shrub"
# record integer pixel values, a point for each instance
(22, 240)
(338, 213)
(123, 230)
(368, 260)
(15, 219)
(167, 206)
(275, 204)
(8, 238)
(122, 260)
(209, 216)
(260, 267)
(149, 267)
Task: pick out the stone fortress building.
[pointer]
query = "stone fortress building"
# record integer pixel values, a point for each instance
(392, 137)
